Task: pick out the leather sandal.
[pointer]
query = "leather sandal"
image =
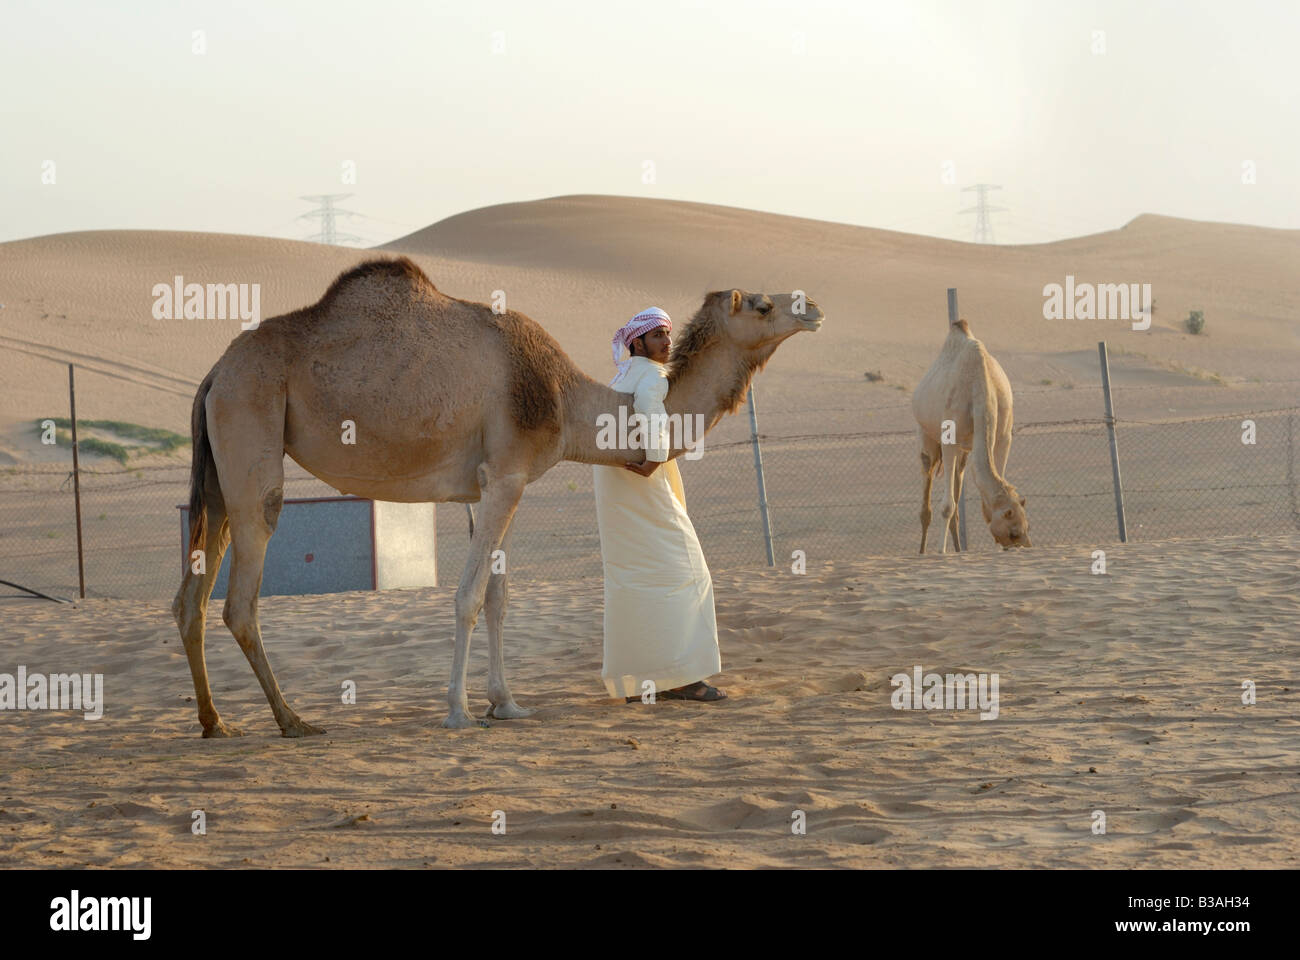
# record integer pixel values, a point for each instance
(699, 690)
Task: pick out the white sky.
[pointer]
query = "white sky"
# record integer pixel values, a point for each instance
(857, 128)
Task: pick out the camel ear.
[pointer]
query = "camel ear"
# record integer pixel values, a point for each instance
(1022, 501)
(735, 302)
(988, 514)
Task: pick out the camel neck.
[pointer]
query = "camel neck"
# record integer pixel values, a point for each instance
(705, 391)
(991, 484)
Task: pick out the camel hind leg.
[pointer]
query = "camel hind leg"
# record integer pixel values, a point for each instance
(251, 529)
(190, 608)
(247, 436)
(929, 464)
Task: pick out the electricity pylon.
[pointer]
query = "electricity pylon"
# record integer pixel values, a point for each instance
(327, 212)
(983, 226)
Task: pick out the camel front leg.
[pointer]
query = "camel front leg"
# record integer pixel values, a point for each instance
(959, 473)
(498, 593)
(498, 499)
(948, 510)
(930, 457)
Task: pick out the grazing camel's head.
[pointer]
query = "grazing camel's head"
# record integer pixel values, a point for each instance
(753, 323)
(1007, 519)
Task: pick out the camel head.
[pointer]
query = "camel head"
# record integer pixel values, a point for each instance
(755, 321)
(751, 325)
(1007, 519)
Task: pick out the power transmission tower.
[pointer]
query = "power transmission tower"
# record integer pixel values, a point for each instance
(327, 212)
(983, 227)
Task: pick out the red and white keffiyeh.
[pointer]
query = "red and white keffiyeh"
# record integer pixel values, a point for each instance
(645, 321)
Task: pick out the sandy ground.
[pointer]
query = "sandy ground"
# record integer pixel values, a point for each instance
(1119, 693)
(1136, 675)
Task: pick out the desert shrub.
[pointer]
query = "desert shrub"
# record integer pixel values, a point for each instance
(156, 439)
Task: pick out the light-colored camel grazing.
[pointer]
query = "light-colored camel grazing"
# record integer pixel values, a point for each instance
(451, 403)
(966, 386)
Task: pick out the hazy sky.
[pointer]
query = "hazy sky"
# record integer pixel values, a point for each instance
(841, 111)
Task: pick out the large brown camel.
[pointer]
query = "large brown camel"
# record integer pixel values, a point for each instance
(963, 409)
(450, 403)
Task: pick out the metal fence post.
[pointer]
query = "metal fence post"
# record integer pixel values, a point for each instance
(1291, 484)
(1114, 450)
(76, 479)
(961, 499)
(762, 487)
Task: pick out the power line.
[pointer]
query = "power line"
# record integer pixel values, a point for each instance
(983, 227)
(327, 212)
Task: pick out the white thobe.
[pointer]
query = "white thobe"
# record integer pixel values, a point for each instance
(659, 619)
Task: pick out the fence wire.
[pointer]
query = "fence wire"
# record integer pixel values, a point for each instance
(835, 497)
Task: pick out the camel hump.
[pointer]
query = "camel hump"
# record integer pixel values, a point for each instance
(401, 271)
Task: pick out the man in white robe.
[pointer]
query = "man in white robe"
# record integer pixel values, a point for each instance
(661, 634)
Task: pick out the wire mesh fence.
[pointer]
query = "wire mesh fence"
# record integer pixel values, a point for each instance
(833, 496)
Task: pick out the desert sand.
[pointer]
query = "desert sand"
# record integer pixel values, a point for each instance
(1119, 693)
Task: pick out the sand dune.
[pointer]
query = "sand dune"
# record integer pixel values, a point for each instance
(887, 288)
(1119, 693)
(580, 265)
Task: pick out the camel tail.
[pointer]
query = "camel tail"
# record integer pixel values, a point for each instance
(199, 464)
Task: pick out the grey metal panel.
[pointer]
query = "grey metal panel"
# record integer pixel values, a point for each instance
(319, 546)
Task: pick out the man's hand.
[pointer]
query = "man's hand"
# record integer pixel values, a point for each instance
(645, 467)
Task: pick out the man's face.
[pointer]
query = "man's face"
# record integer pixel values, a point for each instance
(654, 345)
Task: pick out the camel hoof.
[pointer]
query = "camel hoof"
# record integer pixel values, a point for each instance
(462, 721)
(509, 711)
(300, 728)
(221, 731)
